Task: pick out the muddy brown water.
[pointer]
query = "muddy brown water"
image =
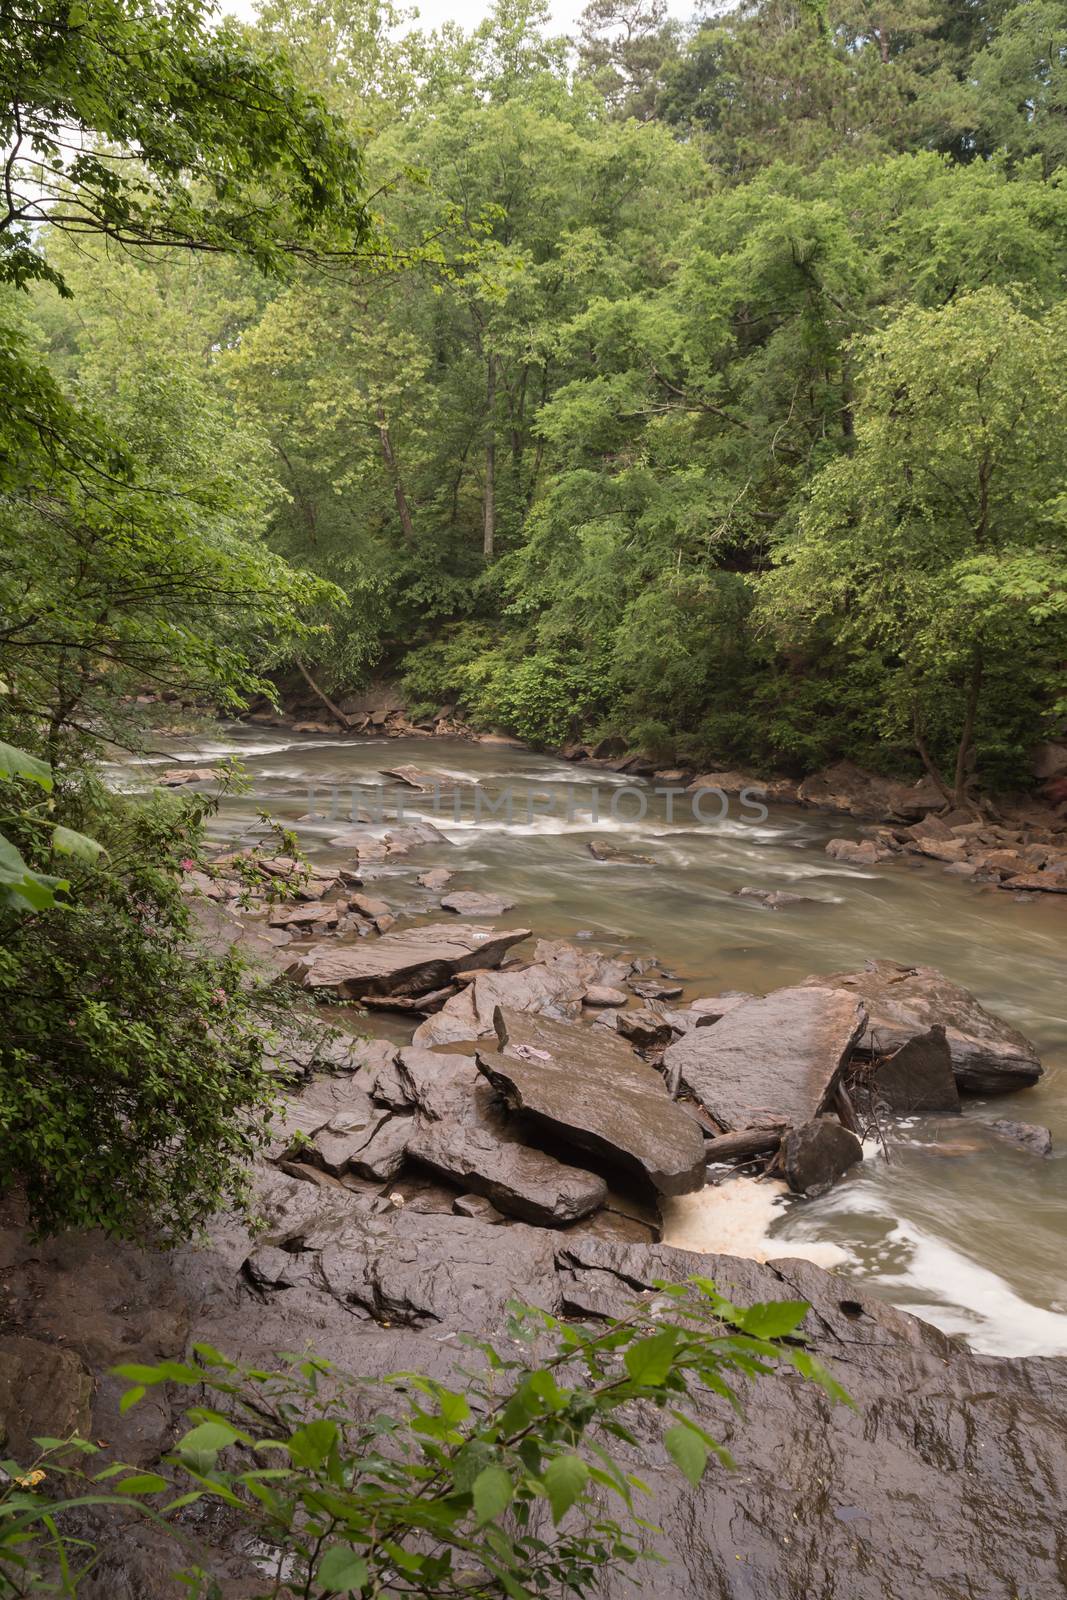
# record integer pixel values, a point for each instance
(963, 1231)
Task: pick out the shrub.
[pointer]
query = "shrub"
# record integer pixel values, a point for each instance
(511, 1485)
(132, 1092)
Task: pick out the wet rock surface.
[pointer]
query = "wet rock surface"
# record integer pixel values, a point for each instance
(948, 1478)
(471, 903)
(590, 1090)
(1031, 1136)
(917, 1077)
(469, 1138)
(988, 1055)
(816, 1154)
(771, 1062)
(408, 962)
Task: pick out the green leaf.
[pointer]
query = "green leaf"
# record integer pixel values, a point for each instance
(68, 842)
(143, 1483)
(309, 1446)
(341, 1571)
(17, 764)
(564, 1480)
(688, 1452)
(130, 1399)
(201, 1445)
(773, 1319)
(492, 1492)
(650, 1361)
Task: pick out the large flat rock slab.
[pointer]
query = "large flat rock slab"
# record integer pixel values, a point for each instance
(587, 1088)
(773, 1062)
(469, 1015)
(409, 962)
(988, 1055)
(467, 1136)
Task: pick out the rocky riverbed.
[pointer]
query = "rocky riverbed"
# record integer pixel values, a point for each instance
(513, 1107)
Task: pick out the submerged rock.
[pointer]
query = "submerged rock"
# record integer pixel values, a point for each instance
(411, 962)
(770, 1063)
(585, 1086)
(816, 1154)
(435, 879)
(1027, 1135)
(471, 903)
(988, 1056)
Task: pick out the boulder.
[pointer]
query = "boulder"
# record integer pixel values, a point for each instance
(468, 1137)
(425, 782)
(917, 1077)
(368, 905)
(728, 782)
(773, 899)
(470, 903)
(178, 777)
(858, 852)
(644, 1028)
(816, 1154)
(948, 1477)
(602, 994)
(409, 962)
(1027, 1135)
(654, 989)
(601, 850)
(318, 915)
(435, 879)
(586, 1087)
(1039, 882)
(850, 789)
(45, 1391)
(469, 1014)
(770, 1063)
(583, 967)
(988, 1056)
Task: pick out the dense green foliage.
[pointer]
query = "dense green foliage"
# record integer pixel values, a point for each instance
(132, 1089)
(131, 556)
(514, 1485)
(578, 439)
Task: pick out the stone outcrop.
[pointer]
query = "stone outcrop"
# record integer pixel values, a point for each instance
(464, 1134)
(772, 1062)
(948, 1477)
(988, 1055)
(408, 962)
(588, 1089)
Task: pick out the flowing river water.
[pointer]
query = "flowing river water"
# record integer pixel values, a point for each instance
(967, 1232)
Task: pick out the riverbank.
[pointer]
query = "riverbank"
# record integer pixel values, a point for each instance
(1015, 842)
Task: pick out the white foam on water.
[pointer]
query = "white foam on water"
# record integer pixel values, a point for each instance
(734, 1219)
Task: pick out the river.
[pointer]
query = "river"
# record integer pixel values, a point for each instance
(971, 1239)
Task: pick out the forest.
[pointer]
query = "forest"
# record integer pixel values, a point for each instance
(700, 386)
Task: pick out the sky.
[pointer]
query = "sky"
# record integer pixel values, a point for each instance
(432, 13)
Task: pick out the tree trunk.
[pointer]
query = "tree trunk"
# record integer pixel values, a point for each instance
(334, 710)
(927, 760)
(966, 744)
(489, 502)
(389, 457)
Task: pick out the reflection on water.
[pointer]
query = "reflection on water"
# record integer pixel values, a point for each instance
(972, 1239)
